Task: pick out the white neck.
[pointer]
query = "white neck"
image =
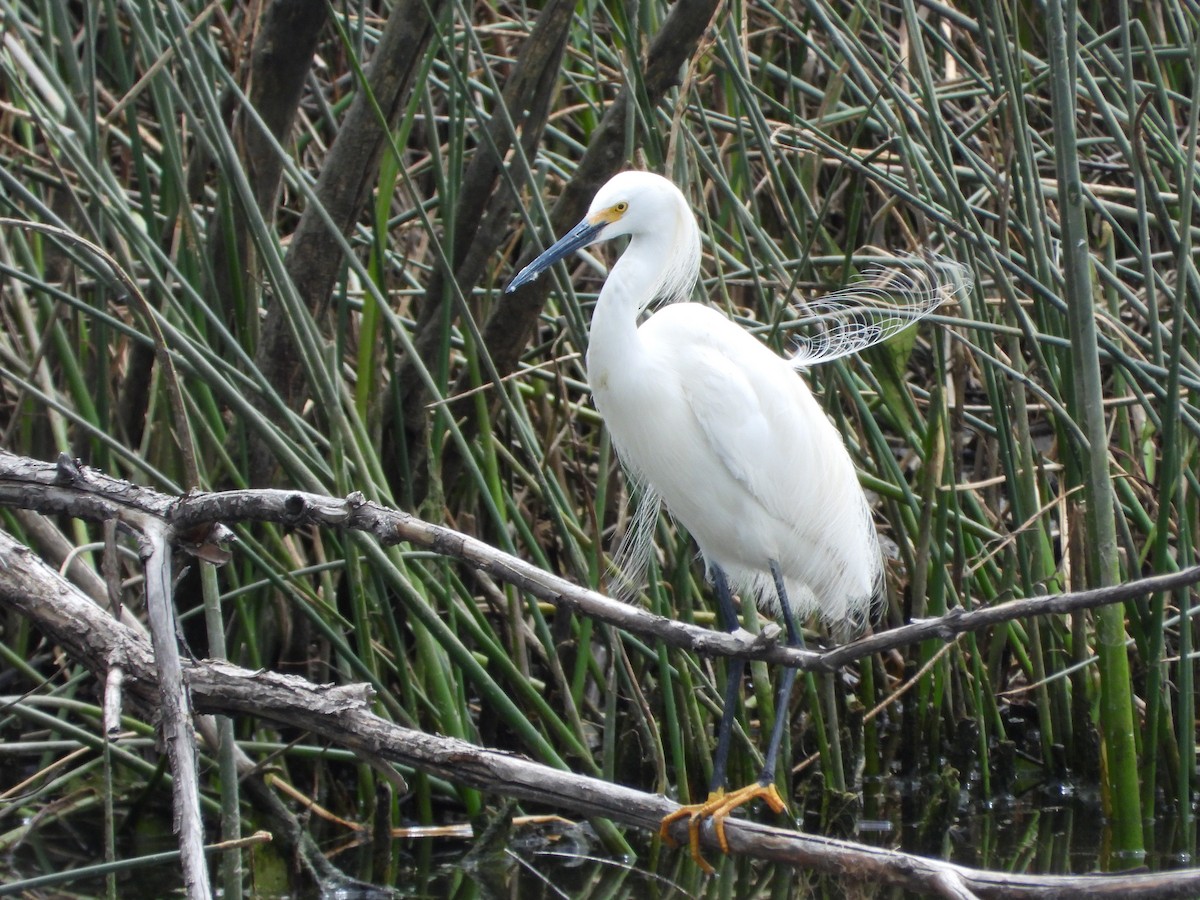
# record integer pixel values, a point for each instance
(632, 283)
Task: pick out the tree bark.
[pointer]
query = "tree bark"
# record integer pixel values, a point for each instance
(348, 174)
(485, 205)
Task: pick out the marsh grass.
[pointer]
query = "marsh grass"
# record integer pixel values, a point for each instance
(810, 137)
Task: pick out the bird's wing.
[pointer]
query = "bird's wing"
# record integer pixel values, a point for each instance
(804, 505)
(747, 403)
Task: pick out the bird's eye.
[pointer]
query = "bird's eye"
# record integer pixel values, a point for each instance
(620, 208)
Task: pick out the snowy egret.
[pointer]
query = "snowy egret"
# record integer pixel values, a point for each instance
(726, 433)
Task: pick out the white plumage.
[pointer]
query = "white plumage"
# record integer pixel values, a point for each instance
(731, 438)
(727, 433)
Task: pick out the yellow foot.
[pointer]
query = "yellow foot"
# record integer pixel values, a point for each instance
(717, 807)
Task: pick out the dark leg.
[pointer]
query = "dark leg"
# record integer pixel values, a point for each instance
(735, 668)
(720, 804)
(795, 639)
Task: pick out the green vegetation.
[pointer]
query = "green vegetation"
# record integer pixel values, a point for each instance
(261, 348)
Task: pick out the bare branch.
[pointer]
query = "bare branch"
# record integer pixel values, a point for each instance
(88, 494)
(341, 714)
(177, 731)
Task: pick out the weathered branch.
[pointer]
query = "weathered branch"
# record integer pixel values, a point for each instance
(341, 714)
(88, 494)
(295, 844)
(177, 732)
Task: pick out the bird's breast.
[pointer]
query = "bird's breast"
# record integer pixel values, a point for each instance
(657, 435)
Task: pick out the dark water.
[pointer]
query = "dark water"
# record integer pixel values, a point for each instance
(1045, 829)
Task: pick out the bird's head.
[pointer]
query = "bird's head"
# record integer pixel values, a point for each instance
(634, 204)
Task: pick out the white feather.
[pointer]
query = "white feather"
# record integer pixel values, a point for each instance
(885, 301)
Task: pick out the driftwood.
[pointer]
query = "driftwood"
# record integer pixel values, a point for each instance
(123, 660)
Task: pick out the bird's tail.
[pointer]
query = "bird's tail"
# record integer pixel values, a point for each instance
(887, 299)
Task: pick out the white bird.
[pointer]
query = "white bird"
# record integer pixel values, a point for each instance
(707, 418)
